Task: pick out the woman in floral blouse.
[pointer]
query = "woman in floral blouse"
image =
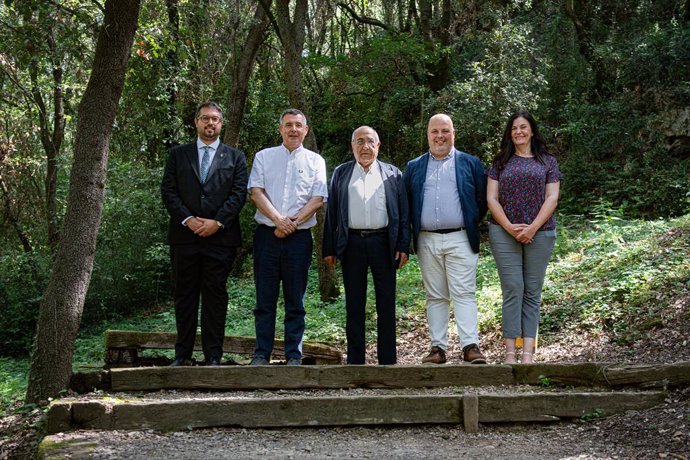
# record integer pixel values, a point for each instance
(522, 193)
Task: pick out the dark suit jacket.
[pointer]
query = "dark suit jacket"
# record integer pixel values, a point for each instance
(221, 197)
(469, 174)
(335, 231)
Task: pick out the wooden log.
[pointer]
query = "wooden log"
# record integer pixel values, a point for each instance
(559, 374)
(116, 339)
(292, 377)
(553, 406)
(647, 375)
(85, 382)
(470, 413)
(59, 417)
(183, 414)
(92, 415)
(283, 412)
(604, 374)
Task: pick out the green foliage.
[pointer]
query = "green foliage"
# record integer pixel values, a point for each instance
(616, 276)
(603, 99)
(506, 73)
(22, 280)
(13, 378)
(131, 269)
(608, 274)
(595, 414)
(544, 381)
(376, 85)
(608, 163)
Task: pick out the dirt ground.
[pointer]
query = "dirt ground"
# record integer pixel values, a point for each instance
(657, 433)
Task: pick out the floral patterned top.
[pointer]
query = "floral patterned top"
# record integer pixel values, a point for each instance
(522, 186)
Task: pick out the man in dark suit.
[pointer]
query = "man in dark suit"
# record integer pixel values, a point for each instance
(367, 228)
(204, 188)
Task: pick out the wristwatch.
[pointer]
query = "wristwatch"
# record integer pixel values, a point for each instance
(219, 224)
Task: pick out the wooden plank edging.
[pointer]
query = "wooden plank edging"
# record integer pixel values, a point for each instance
(119, 339)
(184, 414)
(609, 375)
(294, 377)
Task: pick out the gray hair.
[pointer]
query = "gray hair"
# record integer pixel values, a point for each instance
(293, 112)
(376, 135)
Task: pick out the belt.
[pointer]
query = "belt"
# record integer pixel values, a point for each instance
(365, 233)
(443, 231)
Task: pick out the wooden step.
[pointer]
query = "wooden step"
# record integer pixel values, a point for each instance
(399, 376)
(122, 347)
(293, 377)
(610, 375)
(287, 411)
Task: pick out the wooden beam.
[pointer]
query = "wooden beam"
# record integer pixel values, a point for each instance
(293, 377)
(553, 406)
(117, 339)
(470, 413)
(280, 411)
(604, 374)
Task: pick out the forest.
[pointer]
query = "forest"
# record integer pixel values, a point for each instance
(608, 82)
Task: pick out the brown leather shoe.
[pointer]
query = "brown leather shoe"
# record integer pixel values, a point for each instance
(473, 355)
(436, 356)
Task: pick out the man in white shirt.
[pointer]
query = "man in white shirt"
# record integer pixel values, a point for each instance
(288, 185)
(367, 229)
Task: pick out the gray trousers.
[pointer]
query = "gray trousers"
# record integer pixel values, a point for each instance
(521, 268)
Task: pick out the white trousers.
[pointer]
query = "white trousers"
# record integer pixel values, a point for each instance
(449, 273)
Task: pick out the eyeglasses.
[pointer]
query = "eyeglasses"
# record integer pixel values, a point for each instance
(360, 142)
(207, 119)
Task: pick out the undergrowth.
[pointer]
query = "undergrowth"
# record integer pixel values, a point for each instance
(606, 274)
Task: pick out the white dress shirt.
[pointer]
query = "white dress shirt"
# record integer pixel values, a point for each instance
(367, 199)
(289, 180)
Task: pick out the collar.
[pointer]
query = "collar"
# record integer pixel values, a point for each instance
(297, 150)
(450, 155)
(214, 145)
(361, 169)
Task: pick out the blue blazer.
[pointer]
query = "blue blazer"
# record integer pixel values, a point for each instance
(469, 174)
(335, 231)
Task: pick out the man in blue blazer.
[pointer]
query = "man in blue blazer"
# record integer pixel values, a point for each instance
(204, 188)
(446, 189)
(367, 228)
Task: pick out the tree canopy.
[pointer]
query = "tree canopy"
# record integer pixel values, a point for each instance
(609, 83)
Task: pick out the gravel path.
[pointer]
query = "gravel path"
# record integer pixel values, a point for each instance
(416, 442)
(661, 432)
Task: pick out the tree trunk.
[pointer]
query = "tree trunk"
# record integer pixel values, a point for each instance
(63, 301)
(291, 34)
(241, 73)
(173, 67)
(582, 15)
(51, 141)
(436, 34)
(328, 276)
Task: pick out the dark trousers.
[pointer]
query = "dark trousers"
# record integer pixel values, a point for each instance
(201, 270)
(362, 254)
(279, 260)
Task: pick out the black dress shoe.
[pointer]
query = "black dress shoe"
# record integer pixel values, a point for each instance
(214, 361)
(181, 362)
